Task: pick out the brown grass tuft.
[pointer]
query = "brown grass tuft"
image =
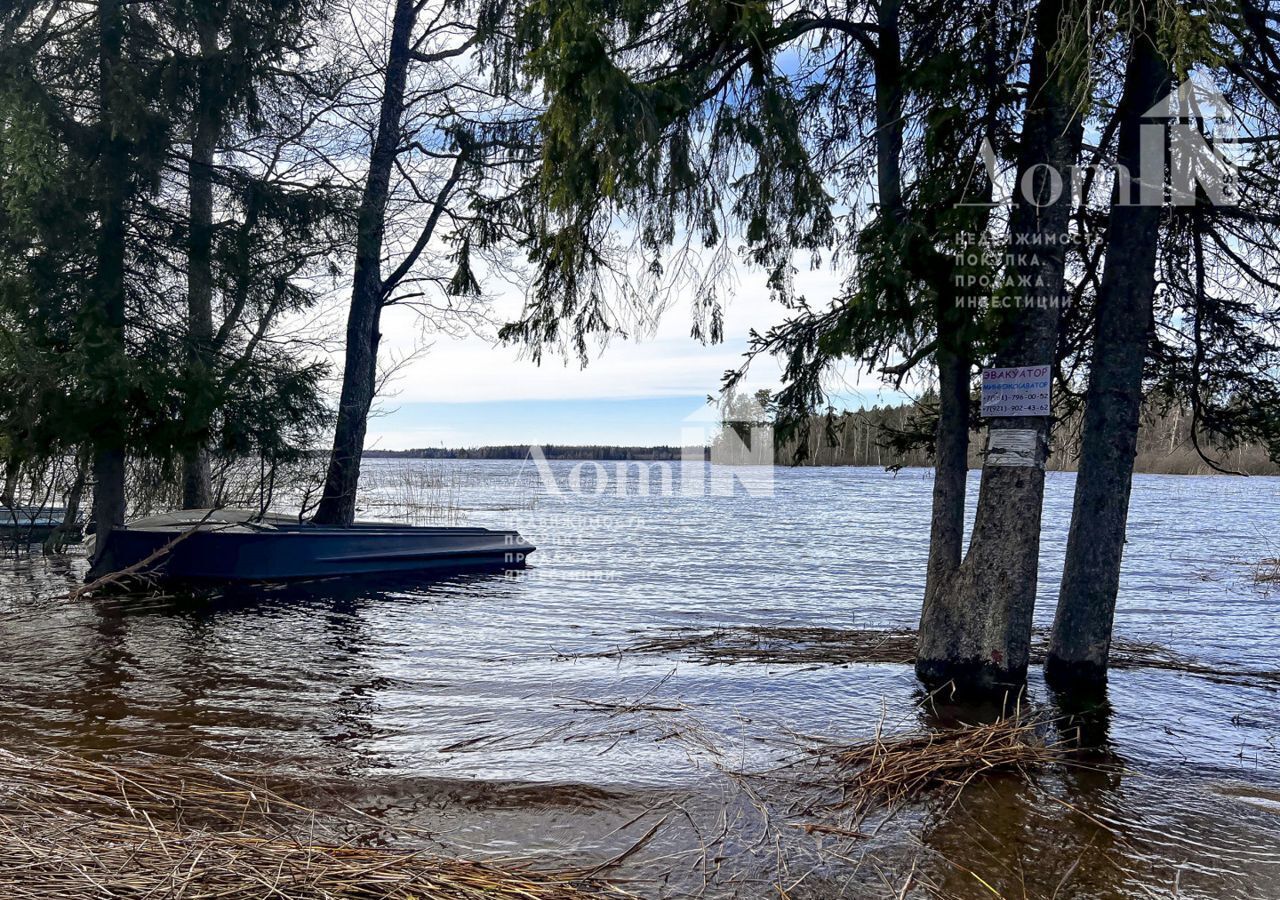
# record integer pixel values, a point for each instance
(1267, 571)
(885, 772)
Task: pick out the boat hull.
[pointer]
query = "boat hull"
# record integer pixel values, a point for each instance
(33, 524)
(310, 551)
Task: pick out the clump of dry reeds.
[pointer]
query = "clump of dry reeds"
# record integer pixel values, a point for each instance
(810, 645)
(72, 827)
(887, 771)
(1267, 571)
(782, 645)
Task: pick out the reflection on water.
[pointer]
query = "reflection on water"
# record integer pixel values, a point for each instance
(466, 704)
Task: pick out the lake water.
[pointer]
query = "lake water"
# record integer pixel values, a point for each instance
(481, 708)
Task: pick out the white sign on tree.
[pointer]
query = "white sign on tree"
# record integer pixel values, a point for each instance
(1019, 391)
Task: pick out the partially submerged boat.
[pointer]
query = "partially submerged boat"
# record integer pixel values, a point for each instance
(245, 545)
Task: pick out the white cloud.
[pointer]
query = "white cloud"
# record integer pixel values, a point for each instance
(671, 363)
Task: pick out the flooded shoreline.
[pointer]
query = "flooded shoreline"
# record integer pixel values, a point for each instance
(494, 717)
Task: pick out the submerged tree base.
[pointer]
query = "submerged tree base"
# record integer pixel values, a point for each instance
(974, 678)
(1081, 677)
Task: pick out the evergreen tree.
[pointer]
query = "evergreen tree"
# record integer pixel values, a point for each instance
(97, 100)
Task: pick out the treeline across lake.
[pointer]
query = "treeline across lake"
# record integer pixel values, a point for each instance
(898, 436)
(548, 451)
(893, 436)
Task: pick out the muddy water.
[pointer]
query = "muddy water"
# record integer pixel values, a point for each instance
(480, 709)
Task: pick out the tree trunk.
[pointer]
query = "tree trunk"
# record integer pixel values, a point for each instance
(979, 632)
(889, 118)
(1091, 577)
(105, 317)
(950, 476)
(57, 540)
(359, 376)
(954, 359)
(197, 491)
(9, 491)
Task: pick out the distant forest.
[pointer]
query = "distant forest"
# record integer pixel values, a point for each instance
(550, 451)
(898, 436)
(888, 436)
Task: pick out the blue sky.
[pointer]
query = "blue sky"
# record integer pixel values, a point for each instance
(644, 421)
(636, 421)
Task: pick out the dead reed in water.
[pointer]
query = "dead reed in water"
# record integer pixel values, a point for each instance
(887, 771)
(71, 827)
(1267, 572)
(807, 645)
(782, 644)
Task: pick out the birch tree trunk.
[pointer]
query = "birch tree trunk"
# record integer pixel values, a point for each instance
(1081, 637)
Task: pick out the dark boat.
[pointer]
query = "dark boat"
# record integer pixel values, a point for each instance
(35, 523)
(238, 545)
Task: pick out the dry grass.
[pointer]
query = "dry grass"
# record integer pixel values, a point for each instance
(72, 827)
(1141, 655)
(1267, 572)
(439, 492)
(887, 771)
(807, 645)
(845, 794)
(782, 644)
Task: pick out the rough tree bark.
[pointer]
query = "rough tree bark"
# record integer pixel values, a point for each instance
(889, 117)
(106, 313)
(197, 492)
(359, 377)
(950, 471)
(1081, 637)
(978, 632)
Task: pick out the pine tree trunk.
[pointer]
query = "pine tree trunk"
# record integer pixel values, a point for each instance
(889, 118)
(954, 359)
(105, 316)
(197, 491)
(1091, 577)
(979, 632)
(359, 377)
